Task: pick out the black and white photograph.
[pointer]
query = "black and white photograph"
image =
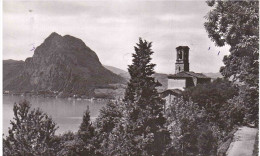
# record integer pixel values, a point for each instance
(130, 78)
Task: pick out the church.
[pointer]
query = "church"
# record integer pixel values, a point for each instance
(183, 77)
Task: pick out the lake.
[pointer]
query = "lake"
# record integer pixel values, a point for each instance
(67, 113)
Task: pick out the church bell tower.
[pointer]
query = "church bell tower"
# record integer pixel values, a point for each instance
(182, 61)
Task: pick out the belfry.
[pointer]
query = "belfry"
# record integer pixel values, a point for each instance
(182, 59)
(183, 77)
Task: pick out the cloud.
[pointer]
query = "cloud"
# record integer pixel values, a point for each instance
(174, 17)
(111, 29)
(46, 8)
(117, 20)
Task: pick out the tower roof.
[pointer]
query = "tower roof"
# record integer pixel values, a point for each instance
(182, 47)
(185, 74)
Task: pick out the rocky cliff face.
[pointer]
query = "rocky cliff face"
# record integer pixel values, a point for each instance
(63, 64)
(11, 69)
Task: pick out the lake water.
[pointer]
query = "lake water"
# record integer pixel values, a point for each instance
(67, 113)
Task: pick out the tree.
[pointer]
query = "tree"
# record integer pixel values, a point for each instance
(218, 91)
(108, 118)
(141, 130)
(182, 121)
(32, 132)
(207, 142)
(70, 144)
(214, 98)
(190, 131)
(86, 135)
(236, 23)
(245, 106)
(86, 129)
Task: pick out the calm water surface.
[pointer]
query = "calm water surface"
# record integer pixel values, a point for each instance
(67, 113)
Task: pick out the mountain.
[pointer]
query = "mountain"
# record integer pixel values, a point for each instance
(115, 70)
(162, 78)
(118, 71)
(213, 75)
(11, 69)
(61, 63)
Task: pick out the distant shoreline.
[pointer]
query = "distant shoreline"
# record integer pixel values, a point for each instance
(61, 97)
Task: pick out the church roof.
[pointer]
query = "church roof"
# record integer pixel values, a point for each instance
(183, 47)
(185, 74)
(175, 92)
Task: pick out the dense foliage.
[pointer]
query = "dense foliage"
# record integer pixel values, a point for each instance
(215, 99)
(191, 134)
(31, 133)
(200, 120)
(71, 144)
(108, 118)
(81, 143)
(236, 23)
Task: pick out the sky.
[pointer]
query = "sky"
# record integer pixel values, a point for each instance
(112, 29)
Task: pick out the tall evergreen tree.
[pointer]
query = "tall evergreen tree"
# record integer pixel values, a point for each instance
(86, 134)
(142, 126)
(141, 93)
(86, 130)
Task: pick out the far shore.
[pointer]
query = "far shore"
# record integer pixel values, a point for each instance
(70, 97)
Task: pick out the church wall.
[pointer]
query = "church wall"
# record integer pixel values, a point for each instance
(176, 84)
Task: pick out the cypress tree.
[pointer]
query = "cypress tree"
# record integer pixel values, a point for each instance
(144, 118)
(86, 130)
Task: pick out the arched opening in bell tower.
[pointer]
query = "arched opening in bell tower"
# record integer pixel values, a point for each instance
(180, 55)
